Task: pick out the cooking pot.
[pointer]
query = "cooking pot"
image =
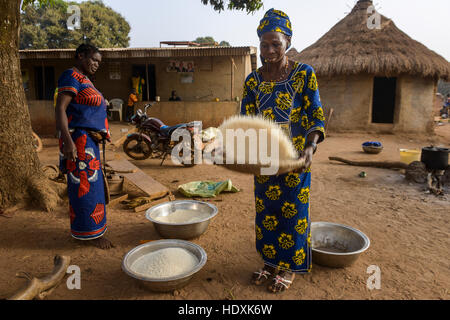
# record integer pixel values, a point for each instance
(435, 158)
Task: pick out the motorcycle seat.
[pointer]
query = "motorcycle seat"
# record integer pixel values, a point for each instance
(168, 130)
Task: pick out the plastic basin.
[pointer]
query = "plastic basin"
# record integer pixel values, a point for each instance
(409, 155)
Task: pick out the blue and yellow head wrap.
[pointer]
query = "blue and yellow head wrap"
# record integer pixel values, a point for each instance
(275, 20)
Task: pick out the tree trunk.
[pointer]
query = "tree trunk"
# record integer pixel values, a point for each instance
(21, 177)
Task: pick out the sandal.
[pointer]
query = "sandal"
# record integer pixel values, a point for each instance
(280, 284)
(261, 276)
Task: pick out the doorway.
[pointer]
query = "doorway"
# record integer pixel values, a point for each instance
(146, 72)
(44, 78)
(384, 96)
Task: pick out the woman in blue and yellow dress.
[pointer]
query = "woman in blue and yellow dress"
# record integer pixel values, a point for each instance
(82, 123)
(285, 92)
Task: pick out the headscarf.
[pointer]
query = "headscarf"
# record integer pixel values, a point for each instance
(275, 20)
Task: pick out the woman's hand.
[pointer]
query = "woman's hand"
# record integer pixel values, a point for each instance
(70, 150)
(306, 155)
(308, 151)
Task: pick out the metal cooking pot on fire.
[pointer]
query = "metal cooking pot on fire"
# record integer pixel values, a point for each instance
(435, 158)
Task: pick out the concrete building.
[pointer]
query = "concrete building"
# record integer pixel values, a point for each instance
(214, 72)
(374, 76)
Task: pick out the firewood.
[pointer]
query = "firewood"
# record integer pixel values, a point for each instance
(122, 139)
(415, 171)
(117, 199)
(376, 164)
(152, 203)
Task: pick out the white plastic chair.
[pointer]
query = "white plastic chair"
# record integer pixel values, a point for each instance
(116, 106)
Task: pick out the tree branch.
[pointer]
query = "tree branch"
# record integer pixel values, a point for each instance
(40, 287)
(376, 164)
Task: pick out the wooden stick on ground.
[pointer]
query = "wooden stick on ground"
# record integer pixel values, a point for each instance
(117, 199)
(40, 287)
(153, 203)
(122, 139)
(376, 164)
(108, 169)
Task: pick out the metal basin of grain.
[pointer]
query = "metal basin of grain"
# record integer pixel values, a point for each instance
(181, 230)
(336, 245)
(169, 283)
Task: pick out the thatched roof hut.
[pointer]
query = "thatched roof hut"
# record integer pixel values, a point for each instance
(350, 47)
(356, 51)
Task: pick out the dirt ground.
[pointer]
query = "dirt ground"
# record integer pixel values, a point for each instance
(408, 229)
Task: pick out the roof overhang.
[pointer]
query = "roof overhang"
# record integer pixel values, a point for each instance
(120, 53)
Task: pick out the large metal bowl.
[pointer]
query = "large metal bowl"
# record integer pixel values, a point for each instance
(163, 284)
(372, 149)
(181, 230)
(336, 245)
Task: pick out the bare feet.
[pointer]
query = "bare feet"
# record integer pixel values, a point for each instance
(262, 275)
(281, 282)
(101, 243)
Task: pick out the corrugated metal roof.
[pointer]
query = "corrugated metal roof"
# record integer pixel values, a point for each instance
(180, 43)
(114, 53)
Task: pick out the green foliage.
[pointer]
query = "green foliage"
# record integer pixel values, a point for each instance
(248, 5)
(26, 3)
(205, 40)
(44, 26)
(211, 42)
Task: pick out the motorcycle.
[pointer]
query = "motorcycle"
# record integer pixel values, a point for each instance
(153, 138)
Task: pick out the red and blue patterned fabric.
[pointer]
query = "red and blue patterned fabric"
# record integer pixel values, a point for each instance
(85, 184)
(88, 108)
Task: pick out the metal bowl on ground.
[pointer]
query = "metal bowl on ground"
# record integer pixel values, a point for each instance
(186, 230)
(163, 284)
(336, 245)
(372, 147)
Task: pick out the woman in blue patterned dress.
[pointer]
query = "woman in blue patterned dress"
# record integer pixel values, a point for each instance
(82, 123)
(285, 92)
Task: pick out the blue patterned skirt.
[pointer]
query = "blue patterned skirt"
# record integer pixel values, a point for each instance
(85, 187)
(283, 235)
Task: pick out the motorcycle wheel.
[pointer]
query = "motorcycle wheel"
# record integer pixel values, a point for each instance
(137, 148)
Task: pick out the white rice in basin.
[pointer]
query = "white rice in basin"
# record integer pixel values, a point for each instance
(165, 263)
(183, 216)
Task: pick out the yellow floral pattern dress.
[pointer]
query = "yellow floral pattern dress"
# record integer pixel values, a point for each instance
(282, 223)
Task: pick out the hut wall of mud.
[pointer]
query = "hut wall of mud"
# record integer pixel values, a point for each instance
(351, 97)
(350, 55)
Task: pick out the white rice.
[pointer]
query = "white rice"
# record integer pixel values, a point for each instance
(164, 263)
(183, 216)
